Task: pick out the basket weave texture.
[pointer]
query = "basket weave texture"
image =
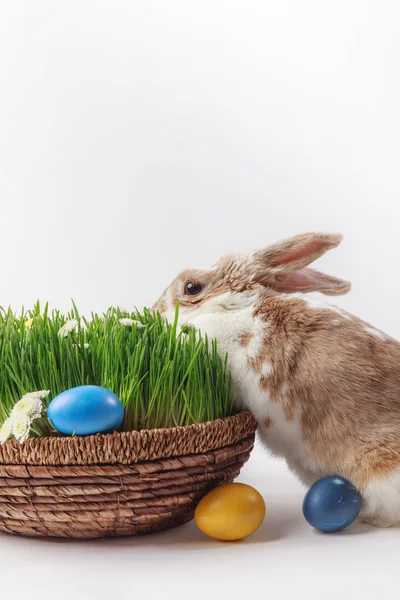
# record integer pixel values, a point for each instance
(119, 484)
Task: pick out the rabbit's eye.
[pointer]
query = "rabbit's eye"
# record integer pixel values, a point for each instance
(192, 288)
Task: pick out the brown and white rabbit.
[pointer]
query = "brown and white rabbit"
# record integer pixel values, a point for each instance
(323, 385)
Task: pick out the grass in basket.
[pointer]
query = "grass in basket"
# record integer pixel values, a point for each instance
(163, 377)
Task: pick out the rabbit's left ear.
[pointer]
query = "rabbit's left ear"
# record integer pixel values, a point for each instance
(282, 266)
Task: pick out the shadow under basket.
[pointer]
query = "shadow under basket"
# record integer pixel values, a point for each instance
(119, 484)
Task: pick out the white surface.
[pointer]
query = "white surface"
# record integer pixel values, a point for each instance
(139, 137)
(285, 558)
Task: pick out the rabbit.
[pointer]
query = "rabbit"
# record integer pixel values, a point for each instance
(323, 385)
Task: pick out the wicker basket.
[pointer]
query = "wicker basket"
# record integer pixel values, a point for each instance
(118, 484)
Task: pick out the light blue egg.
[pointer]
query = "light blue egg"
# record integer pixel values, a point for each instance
(85, 410)
(331, 504)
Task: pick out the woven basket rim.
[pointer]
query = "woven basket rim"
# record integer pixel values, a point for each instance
(128, 447)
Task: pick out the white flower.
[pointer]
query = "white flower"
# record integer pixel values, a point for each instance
(24, 412)
(126, 322)
(68, 328)
(6, 430)
(86, 346)
(21, 425)
(130, 322)
(30, 404)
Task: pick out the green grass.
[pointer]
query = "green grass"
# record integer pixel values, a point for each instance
(163, 377)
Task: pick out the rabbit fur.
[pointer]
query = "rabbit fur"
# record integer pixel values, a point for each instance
(323, 385)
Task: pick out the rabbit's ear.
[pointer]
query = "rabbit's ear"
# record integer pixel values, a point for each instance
(282, 266)
(309, 280)
(297, 252)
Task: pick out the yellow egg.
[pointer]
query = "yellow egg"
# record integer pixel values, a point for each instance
(230, 512)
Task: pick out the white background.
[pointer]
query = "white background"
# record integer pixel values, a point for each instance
(140, 137)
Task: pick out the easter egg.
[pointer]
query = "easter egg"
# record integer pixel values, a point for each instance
(331, 504)
(231, 511)
(85, 410)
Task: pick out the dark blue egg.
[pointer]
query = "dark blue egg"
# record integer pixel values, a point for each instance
(331, 504)
(86, 409)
